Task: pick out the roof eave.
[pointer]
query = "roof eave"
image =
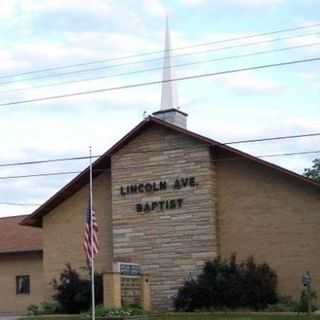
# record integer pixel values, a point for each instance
(35, 219)
(21, 251)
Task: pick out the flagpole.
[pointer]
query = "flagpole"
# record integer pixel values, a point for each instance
(93, 307)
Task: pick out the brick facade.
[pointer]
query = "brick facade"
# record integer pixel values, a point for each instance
(63, 231)
(18, 264)
(270, 216)
(243, 206)
(168, 244)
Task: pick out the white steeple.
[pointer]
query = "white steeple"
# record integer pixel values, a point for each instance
(169, 97)
(169, 100)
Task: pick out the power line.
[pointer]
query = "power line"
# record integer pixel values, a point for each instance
(40, 175)
(255, 35)
(46, 174)
(215, 160)
(33, 162)
(275, 138)
(170, 67)
(14, 164)
(288, 154)
(20, 204)
(156, 59)
(272, 155)
(143, 84)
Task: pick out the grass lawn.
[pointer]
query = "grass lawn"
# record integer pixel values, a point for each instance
(52, 317)
(233, 316)
(198, 316)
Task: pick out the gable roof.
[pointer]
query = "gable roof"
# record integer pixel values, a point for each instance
(16, 238)
(104, 161)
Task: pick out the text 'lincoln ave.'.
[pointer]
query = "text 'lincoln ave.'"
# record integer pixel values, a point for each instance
(151, 187)
(148, 187)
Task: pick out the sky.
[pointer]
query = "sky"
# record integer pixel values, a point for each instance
(42, 34)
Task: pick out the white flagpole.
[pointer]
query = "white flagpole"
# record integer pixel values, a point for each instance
(93, 306)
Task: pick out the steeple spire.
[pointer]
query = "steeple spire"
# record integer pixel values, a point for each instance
(169, 110)
(169, 98)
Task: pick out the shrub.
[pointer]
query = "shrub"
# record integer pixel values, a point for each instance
(50, 308)
(103, 312)
(73, 293)
(191, 297)
(284, 304)
(302, 305)
(227, 284)
(33, 310)
(44, 308)
(281, 307)
(259, 283)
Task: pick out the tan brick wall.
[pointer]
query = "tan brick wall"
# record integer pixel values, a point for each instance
(12, 265)
(237, 207)
(172, 243)
(63, 231)
(274, 217)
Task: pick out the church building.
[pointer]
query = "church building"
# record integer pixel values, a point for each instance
(166, 200)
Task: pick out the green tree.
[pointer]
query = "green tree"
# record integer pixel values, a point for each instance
(229, 284)
(313, 172)
(73, 292)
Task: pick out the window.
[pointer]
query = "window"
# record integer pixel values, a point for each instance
(23, 284)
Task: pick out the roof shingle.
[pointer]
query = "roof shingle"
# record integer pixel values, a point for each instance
(15, 237)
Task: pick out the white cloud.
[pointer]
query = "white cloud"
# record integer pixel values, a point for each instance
(120, 43)
(96, 6)
(77, 16)
(310, 41)
(254, 3)
(247, 84)
(49, 33)
(8, 9)
(155, 8)
(194, 3)
(309, 76)
(9, 62)
(239, 3)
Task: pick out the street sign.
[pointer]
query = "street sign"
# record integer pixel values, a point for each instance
(306, 279)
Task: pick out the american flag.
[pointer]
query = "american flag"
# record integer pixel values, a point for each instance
(87, 235)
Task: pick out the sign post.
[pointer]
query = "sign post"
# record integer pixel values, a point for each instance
(306, 280)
